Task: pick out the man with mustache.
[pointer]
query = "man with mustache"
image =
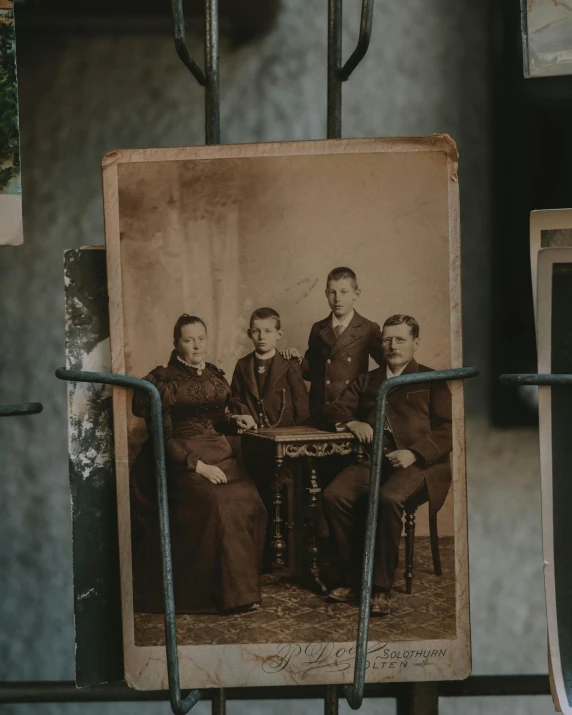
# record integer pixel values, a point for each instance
(417, 445)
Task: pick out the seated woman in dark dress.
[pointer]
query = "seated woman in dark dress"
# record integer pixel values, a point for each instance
(217, 519)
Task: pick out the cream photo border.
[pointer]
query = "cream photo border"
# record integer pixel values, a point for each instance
(242, 665)
(547, 258)
(545, 220)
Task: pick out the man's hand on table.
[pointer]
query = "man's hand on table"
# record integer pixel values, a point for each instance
(362, 430)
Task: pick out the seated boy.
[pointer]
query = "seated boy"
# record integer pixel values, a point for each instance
(266, 385)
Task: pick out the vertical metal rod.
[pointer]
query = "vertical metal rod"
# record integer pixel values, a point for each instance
(334, 69)
(177, 704)
(331, 700)
(418, 699)
(354, 693)
(218, 706)
(212, 94)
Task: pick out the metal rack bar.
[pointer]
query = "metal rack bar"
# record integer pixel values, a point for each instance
(334, 66)
(219, 702)
(26, 408)
(66, 691)
(354, 693)
(534, 379)
(212, 94)
(209, 78)
(418, 698)
(336, 72)
(331, 700)
(179, 705)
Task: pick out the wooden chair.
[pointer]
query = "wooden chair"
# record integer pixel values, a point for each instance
(411, 506)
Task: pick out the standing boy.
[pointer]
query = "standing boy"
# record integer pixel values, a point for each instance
(340, 345)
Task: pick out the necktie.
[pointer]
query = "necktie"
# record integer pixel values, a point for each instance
(338, 330)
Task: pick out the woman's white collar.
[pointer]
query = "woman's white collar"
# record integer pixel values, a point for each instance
(198, 368)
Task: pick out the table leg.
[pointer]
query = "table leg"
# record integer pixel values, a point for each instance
(409, 544)
(360, 452)
(312, 570)
(278, 543)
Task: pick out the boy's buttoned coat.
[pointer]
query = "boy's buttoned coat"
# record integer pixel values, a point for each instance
(419, 417)
(284, 400)
(331, 364)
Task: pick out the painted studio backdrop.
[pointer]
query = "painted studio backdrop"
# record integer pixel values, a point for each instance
(268, 235)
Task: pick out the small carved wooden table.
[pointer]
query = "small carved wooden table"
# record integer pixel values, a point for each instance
(284, 443)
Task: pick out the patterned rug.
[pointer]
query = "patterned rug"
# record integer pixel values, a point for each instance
(290, 613)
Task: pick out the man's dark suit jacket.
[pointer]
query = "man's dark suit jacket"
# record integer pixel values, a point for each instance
(331, 364)
(419, 417)
(284, 386)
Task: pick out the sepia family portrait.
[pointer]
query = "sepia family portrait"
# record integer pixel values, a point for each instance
(268, 293)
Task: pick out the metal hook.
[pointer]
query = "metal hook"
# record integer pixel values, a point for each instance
(354, 693)
(362, 46)
(179, 705)
(181, 43)
(336, 73)
(26, 408)
(209, 78)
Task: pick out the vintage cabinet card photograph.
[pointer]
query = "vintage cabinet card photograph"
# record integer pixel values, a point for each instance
(551, 228)
(97, 602)
(267, 291)
(546, 37)
(555, 416)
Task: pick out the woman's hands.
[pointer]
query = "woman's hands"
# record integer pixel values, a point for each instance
(210, 472)
(244, 422)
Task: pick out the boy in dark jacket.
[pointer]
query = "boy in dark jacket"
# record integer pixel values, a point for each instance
(266, 385)
(339, 346)
(273, 391)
